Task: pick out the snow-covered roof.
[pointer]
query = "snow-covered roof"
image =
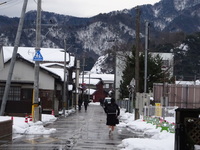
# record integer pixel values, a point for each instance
(89, 81)
(164, 56)
(197, 82)
(48, 54)
(57, 71)
(104, 77)
(90, 91)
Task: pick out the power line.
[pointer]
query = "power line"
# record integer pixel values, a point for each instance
(10, 3)
(3, 3)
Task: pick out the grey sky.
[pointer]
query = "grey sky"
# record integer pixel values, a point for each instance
(79, 8)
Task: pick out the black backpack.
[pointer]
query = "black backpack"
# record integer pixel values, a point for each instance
(111, 109)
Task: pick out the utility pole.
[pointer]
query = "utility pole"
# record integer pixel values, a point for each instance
(116, 69)
(64, 84)
(13, 59)
(137, 69)
(83, 71)
(89, 89)
(146, 54)
(115, 74)
(77, 81)
(35, 107)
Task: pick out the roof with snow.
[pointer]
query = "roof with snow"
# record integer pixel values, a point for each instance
(164, 56)
(90, 81)
(55, 57)
(105, 77)
(197, 82)
(49, 54)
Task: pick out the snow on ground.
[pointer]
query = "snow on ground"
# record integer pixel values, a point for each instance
(21, 127)
(158, 141)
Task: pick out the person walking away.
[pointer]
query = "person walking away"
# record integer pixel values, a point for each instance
(112, 110)
(101, 101)
(85, 104)
(79, 104)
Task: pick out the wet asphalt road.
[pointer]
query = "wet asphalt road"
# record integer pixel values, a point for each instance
(79, 131)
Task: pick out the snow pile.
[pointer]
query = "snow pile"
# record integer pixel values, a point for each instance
(154, 139)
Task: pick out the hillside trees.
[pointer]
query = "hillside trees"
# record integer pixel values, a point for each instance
(186, 49)
(187, 58)
(154, 72)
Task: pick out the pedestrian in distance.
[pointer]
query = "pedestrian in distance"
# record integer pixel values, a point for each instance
(79, 104)
(112, 110)
(101, 101)
(86, 104)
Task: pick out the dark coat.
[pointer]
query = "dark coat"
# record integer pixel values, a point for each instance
(80, 102)
(112, 118)
(86, 102)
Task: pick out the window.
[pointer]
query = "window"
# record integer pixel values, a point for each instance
(26, 94)
(13, 95)
(166, 63)
(106, 86)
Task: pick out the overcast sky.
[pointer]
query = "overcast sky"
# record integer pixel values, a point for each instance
(78, 8)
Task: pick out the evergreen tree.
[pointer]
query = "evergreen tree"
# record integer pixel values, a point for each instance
(187, 58)
(90, 62)
(154, 72)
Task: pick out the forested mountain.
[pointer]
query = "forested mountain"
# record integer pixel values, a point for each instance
(93, 36)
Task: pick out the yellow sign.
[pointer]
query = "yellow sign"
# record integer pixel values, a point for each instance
(158, 110)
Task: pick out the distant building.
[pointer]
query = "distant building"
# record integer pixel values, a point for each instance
(100, 84)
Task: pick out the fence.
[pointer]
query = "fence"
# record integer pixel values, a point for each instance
(159, 111)
(124, 104)
(183, 96)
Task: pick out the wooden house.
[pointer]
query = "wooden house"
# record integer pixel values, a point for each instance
(50, 79)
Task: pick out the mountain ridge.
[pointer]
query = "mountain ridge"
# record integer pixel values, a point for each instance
(92, 35)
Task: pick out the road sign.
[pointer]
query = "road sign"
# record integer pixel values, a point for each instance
(38, 56)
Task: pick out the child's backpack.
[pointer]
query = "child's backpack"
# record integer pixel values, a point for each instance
(111, 109)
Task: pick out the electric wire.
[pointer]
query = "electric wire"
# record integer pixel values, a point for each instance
(10, 3)
(7, 4)
(2, 3)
